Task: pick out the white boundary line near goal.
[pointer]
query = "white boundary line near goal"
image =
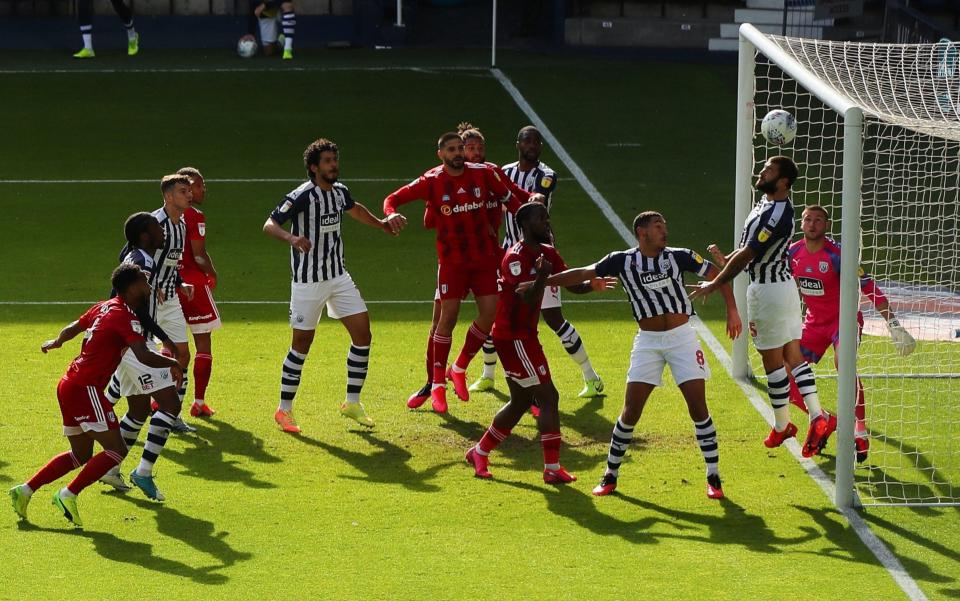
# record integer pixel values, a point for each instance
(212, 180)
(859, 525)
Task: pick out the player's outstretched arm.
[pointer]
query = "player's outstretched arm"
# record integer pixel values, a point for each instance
(736, 263)
(532, 294)
(391, 224)
(734, 323)
(275, 230)
(68, 333)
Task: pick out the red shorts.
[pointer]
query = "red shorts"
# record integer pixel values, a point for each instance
(201, 312)
(523, 361)
(455, 280)
(815, 341)
(84, 409)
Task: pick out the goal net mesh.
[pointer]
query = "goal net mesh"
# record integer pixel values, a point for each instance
(910, 243)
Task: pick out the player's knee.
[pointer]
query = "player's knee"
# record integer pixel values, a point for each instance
(363, 338)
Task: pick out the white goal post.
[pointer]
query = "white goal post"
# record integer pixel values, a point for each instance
(878, 145)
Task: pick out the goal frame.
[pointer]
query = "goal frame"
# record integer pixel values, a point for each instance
(753, 41)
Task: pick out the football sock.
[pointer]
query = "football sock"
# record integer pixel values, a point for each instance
(707, 439)
(490, 439)
(619, 441)
(860, 410)
(85, 18)
(572, 343)
(288, 21)
(357, 360)
(130, 430)
(182, 391)
(807, 384)
(778, 389)
(113, 390)
(58, 466)
(202, 366)
(86, 31)
(131, 32)
(441, 352)
(471, 346)
(430, 358)
(99, 464)
(160, 425)
(290, 378)
(489, 359)
(551, 441)
(795, 397)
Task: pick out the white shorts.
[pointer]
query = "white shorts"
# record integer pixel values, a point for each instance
(679, 348)
(774, 313)
(269, 28)
(551, 298)
(339, 295)
(137, 378)
(170, 319)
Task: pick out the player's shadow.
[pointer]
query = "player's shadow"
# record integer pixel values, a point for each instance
(940, 484)
(139, 554)
(587, 420)
(847, 547)
(884, 486)
(387, 464)
(208, 455)
(4, 477)
(193, 532)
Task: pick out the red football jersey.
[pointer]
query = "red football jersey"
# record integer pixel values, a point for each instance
(111, 326)
(196, 230)
(462, 206)
(516, 320)
(430, 219)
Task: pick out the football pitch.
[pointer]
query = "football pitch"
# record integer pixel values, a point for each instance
(342, 512)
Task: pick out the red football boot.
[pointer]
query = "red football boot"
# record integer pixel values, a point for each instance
(479, 463)
(607, 485)
(815, 436)
(559, 476)
(534, 410)
(419, 397)
(459, 380)
(862, 444)
(831, 428)
(714, 487)
(154, 406)
(439, 396)
(775, 439)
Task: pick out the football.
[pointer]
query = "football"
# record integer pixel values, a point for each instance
(778, 127)
(247, 46)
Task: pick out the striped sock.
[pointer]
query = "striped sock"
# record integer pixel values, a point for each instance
(707, 439)
(160, 425)
(357, 360)
(130, 430)
(572, 343)
(489, 359)
(619, 441)
(290, 378)
(86, 31)
(182, 391)
(93, 470)
(491, 438)
(807, 384)
(778, 389)
(113, 390)
(288, 21)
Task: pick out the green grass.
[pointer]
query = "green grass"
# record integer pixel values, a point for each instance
(341, 513)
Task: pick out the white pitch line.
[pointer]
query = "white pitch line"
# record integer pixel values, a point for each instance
(213, 180)
(260, 69)
(887, 559)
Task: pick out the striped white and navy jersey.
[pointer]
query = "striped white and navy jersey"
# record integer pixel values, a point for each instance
(315, 214)
(147, 315)
(654, 286)
(540, 179)
(768, 230)
(167, 259)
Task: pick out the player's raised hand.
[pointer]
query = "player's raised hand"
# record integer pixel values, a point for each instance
(601, 284)
(544, 265)
(394, 223)
(49, 345)
(718, 257)
(300, 243)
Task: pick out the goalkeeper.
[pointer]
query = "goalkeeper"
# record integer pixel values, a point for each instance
(815, 261)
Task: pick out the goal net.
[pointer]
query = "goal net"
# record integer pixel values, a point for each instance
(908, 238)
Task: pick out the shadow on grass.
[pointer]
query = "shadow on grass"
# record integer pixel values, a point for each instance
(193, 532)
(141, 555)
(3, 477)
(939, 483)
(212, 443)
(587, 420)
(386, 465)
(849, 548)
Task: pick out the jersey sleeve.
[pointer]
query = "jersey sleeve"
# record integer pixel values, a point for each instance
(89, 316)
(415, 190)
(127, 326)
(512, 268)
(348, 202)
(689, 260)
(546, 184)
(501, 190)
(196, 225)
(610, 266)
(290, 207)
(769, 230)
(558, 263)
(870, 289)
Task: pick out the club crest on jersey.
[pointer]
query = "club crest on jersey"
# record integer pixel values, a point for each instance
(286, 206)
(202, 228)
(515, 268)
(764, 235)
(476, 192)
(824, 266)
(136, 327)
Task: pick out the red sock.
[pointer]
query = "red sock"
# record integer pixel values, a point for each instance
(491, 438)
(441, 352)
(795, 397)
(202, 365)
(550, 441)
(62, 464)
(859, 410)
(430, 358)
(99, 464)
(471, 345)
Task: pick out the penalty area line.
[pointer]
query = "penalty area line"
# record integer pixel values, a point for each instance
(886, 558)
